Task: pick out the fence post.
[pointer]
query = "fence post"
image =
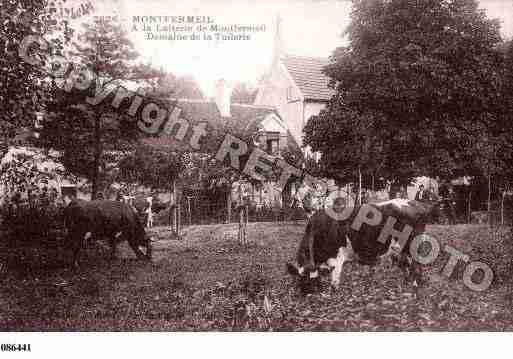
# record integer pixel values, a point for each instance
(229, 205)
(178, 219)
(175, 216)
(189, 210)
(502, 207)
(469, 207)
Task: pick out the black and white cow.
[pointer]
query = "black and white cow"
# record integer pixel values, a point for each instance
(103, 219)
(365, 233)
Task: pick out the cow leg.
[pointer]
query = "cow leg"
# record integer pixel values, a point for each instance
(415, 271)
(135, 247)
(412, 269)
(76, 241)
(113, 245)
(337, 264)
(345, 253)
(137, 251)
(387, 259)
(77, 245)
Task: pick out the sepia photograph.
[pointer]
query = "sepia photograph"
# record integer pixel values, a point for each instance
(239, 166)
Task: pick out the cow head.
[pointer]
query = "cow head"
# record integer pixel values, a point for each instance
(308, 278)
(428, 211)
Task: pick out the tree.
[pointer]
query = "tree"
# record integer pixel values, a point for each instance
(243, 93)
(151, 167)
(92, 138)
(164, 85)
(415, 83)
(22, 92)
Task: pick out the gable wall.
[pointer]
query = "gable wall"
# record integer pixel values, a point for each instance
(274, 93)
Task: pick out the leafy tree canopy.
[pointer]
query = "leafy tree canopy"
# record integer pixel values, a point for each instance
(416, 89)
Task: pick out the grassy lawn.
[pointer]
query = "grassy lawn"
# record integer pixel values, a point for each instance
(207, 281)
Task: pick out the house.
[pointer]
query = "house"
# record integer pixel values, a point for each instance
(295, 86)
(261, 126)
(298, 89)
(262, 123)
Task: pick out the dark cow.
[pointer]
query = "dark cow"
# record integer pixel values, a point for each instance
(364, 233)
(101, 219)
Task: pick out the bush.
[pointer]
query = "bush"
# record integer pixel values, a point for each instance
(30, 210)
(31, 220)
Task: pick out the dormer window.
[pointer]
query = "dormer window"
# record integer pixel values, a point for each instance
(272, 143)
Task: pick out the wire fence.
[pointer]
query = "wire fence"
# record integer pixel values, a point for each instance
(199, 211)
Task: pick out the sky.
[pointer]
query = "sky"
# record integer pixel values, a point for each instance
(309, 28)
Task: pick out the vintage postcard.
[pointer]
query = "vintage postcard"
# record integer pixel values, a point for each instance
(272, 166)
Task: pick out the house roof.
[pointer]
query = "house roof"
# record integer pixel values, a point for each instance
(244, 121)
(244, 118)
(308, 76)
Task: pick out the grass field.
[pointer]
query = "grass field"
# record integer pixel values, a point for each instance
(207, 281)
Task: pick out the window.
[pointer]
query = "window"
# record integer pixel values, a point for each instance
(272, 146)
(272, 143)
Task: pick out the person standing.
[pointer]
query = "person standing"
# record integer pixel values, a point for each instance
(149, 212)
(421, 194)
(451, 204)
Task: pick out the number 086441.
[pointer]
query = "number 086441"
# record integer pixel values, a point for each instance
(15, 347)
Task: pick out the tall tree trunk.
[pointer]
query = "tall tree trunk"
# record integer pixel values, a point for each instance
(171, 202)
(359, 185)
(97, 156)
(489, 204)
(172, 205)
(469, 210)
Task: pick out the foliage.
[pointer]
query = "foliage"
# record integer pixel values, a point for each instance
(70, 129)
(91, 139)
(35, 218)
(22, 92)
(21, 174)
(168, 86)
(243, 93)
(151, 167)
(30, 207)
(419, 90)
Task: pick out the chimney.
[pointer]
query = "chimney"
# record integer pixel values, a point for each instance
(222, 96)
(278, 40)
